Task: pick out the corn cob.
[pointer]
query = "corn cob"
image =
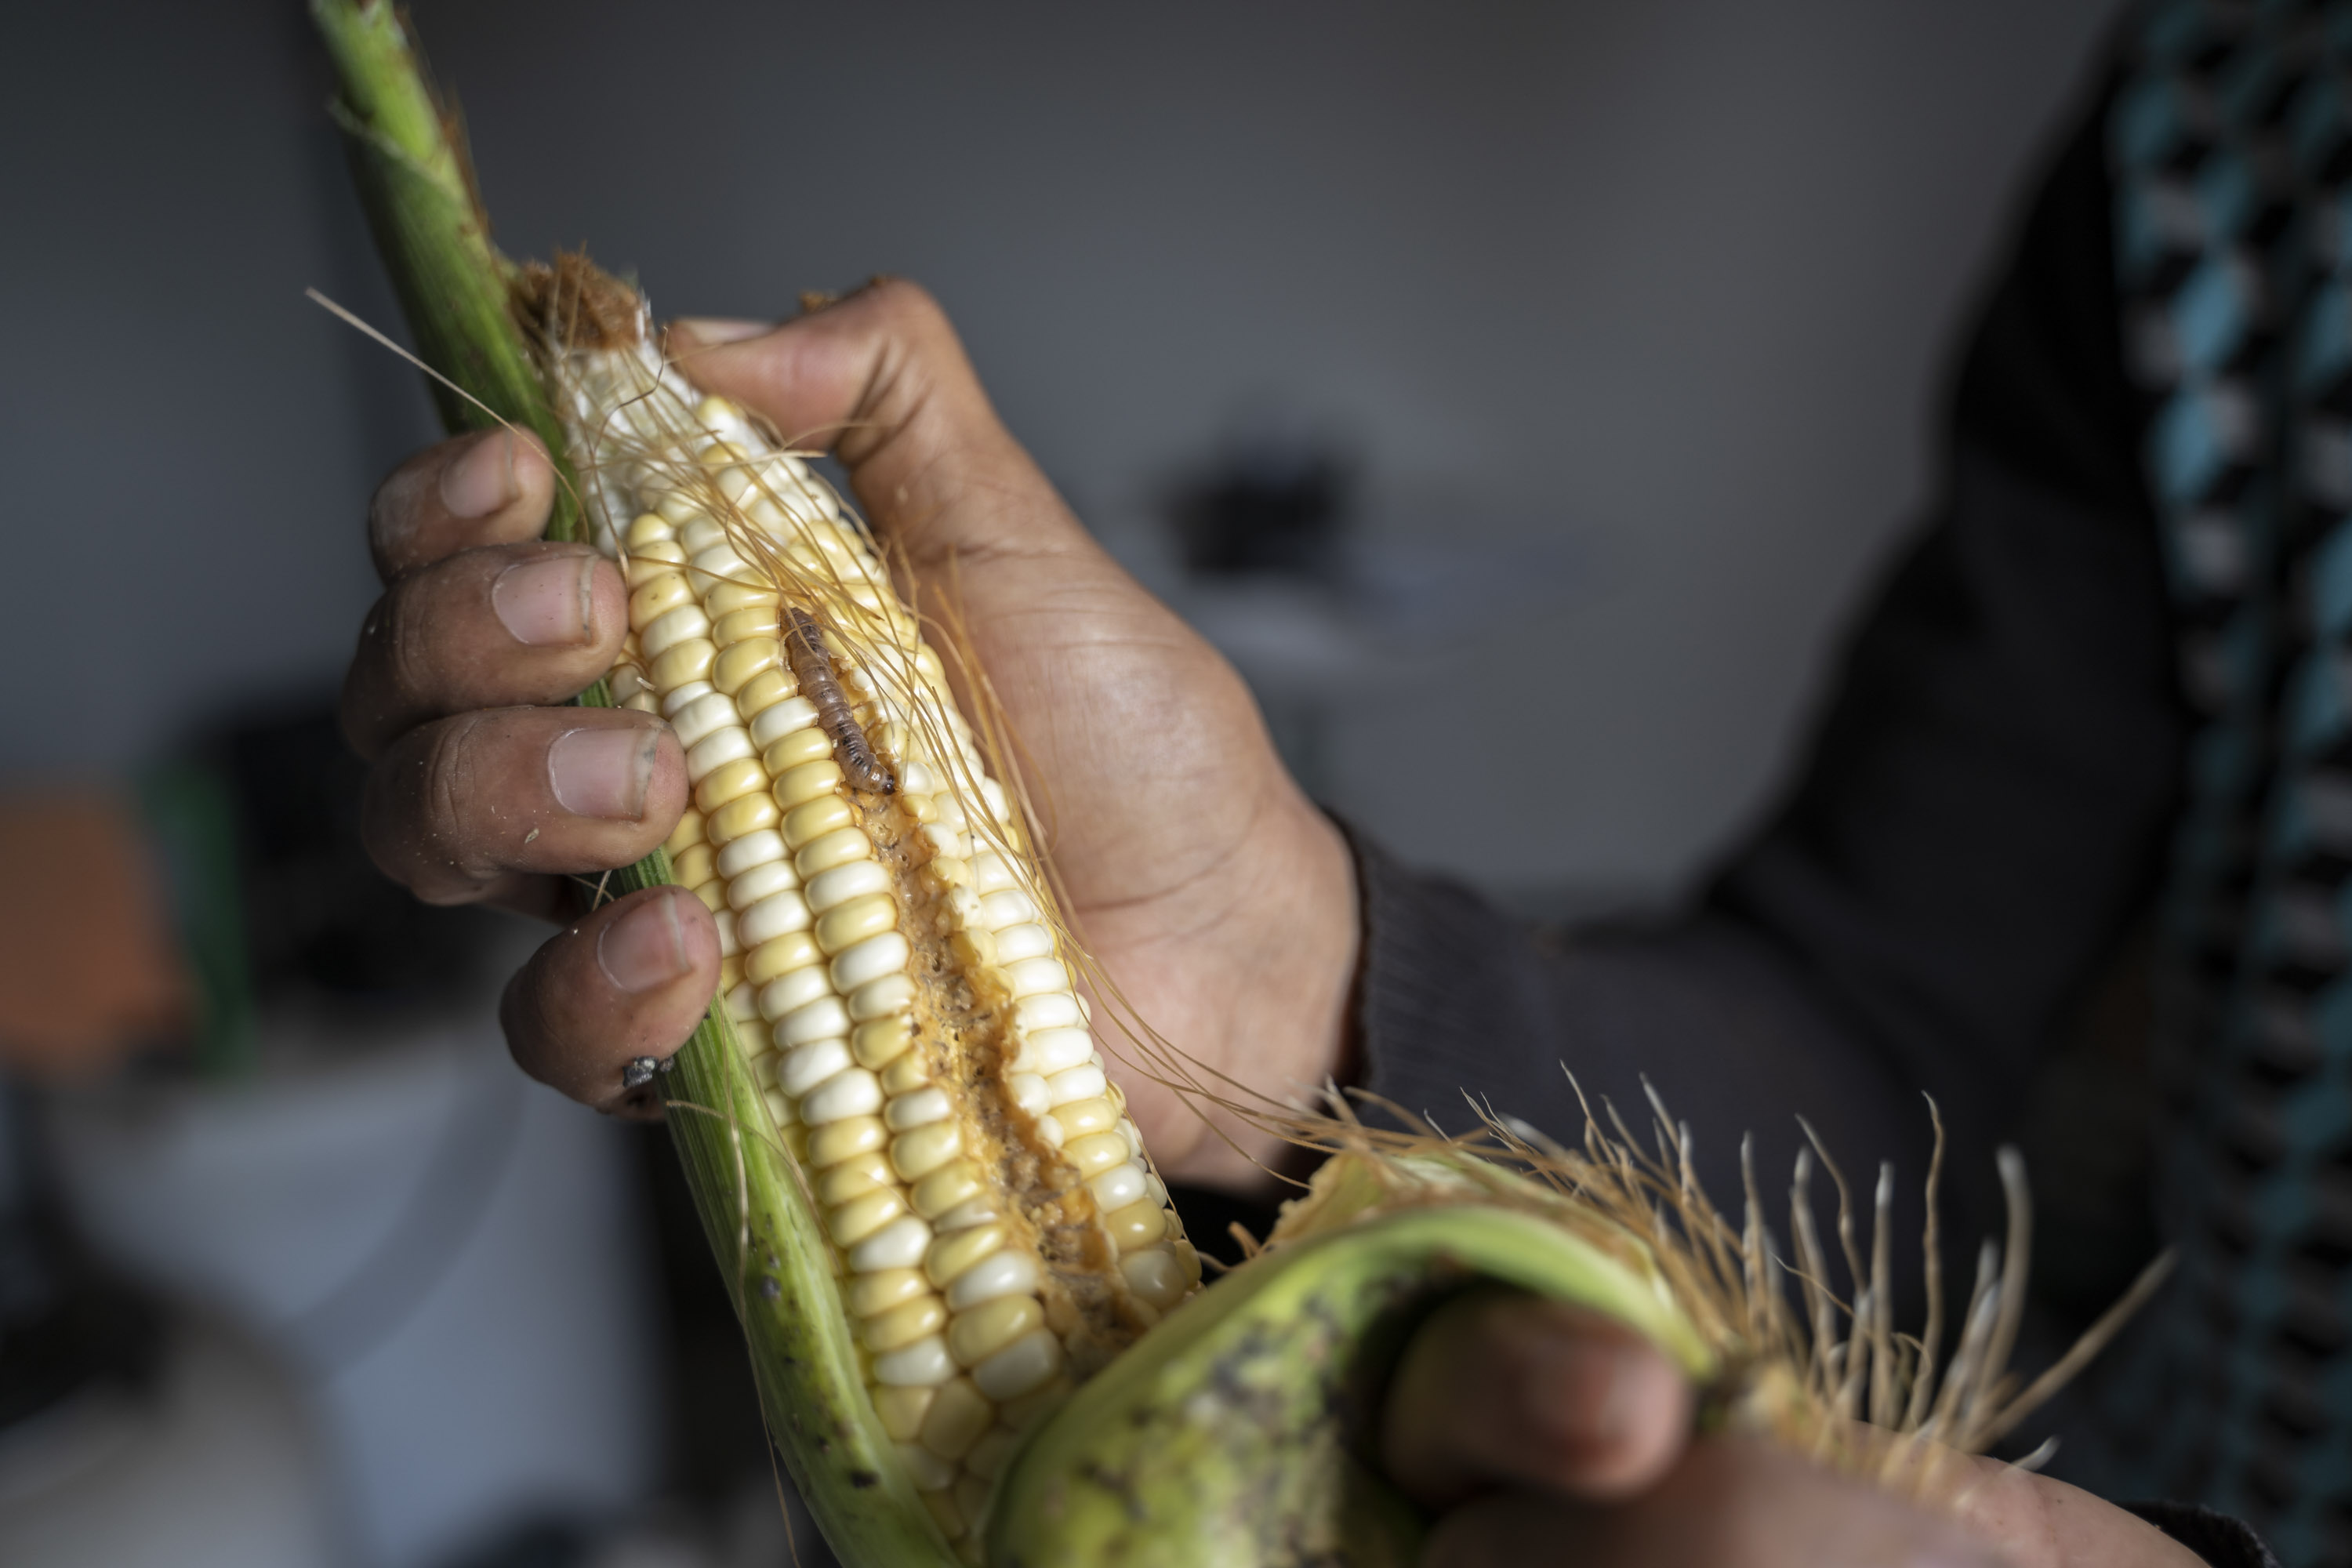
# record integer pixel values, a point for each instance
(937, 1218)
(891, 965)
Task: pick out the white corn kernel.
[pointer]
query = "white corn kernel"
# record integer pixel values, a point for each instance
(1004, 1273)
(1153, 1274)
(921, 1108)
(719, 563)
(860, 1217)
(822, 1019)
(1054, 1010)
(1029, 1092)
(1137, 1226)
(898, 1244)
(926, 1470)
(1072, 1084)
(776, 721)
(875, 958)
(801, 1070)
(950, 1256)
(1118, 1187)
(916, 1154)
(1007, 906)
(870, 1295)
(715, 751)
(977, 1334)
(672, 629)
(828, 889)
(788, 994)
(990, 873)
(1097, 1152)
(923, 1363)
(964, 1216)
(957, 1419)
(1051, 1051)
(703, 717)
(884, 997)
(1034, 976)
(773, 917)
(752, 851)
(903, 1325)
(677, 700)
(1027, 940)
(700, 533)
(760, 882)
(852, 1091)
(838, 847)
(1025, 1364)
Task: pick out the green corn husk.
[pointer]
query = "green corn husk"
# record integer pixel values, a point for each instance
(416, 181)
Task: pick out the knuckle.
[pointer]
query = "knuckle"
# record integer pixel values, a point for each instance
(394, 512)
(906, 308)
(418, 819)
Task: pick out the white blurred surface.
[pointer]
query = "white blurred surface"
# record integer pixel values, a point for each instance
(220, 1468)
(445, 1256)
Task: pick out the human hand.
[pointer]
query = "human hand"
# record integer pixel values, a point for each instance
(1215, 896)
(1540, 1433)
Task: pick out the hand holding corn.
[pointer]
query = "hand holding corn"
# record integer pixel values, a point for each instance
(1209, 884)
(852, 882)
(1205, 882)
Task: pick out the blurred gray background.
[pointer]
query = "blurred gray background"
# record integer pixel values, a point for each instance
(1623, 321)
(1663, 285)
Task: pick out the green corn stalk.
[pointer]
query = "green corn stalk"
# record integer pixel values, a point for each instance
(416, 181)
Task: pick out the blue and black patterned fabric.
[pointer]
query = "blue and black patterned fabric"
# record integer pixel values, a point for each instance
(2230, 146)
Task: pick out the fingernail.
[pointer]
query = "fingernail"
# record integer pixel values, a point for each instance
(482, 479)
(603, 772)
(547, 602)
(715, 330)
(1585, 1393)
(646, 947)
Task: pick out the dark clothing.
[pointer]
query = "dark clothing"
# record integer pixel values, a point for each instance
(2066, 733)
(1980, 826)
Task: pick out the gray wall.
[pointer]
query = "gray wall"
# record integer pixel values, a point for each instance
(1670, 281)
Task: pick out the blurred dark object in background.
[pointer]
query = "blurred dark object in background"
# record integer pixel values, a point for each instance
(1271, 505)
(68, 1326)
(320, 920)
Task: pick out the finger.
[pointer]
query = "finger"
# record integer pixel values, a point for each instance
(881, 379)
(490, 627)
(493, 487)
(2038, 1522)
(1083, 661)
(629, 981)
(1731, 1502)
(466, 809)
(1502, 1389)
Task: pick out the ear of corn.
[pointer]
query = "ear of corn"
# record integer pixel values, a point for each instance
(891, 964)
(933, 1205)
(936, 1218)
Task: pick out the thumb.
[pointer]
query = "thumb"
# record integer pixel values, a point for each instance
(881, 379)
(1502, 1389)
